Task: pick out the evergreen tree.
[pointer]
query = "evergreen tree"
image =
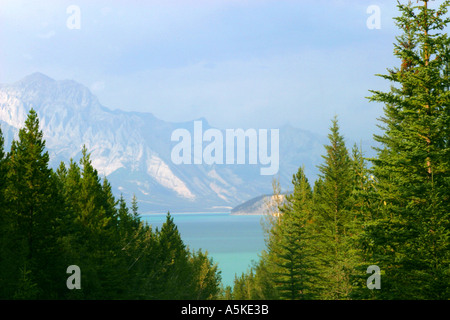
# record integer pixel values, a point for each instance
(363, 187)
(69, 188)
(50, 220)
(7, 271)
(290, 247)
(125, 219)
(94, 237)
(272, 215)
(71, 185)
(2, 172)
(135, 210)
(258, 282)
(108, 201)
(206, 276)
(32, 199)
(2, 182)
(409, 240)
(146, 265)
(333, 217)
(363, 202)
(244, 286)
(175, 272)
(226, 293)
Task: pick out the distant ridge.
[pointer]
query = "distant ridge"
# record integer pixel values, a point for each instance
(133, 149)
(254, 206)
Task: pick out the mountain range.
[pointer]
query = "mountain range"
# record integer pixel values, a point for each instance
(133, 149)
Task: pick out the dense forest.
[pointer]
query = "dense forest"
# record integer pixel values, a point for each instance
(391, 211)
(51, 220)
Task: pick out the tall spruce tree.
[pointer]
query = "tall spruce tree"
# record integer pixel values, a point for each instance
(103, 252)
(363, 187)
(34, 210)
(290, 246)
(5, 230)
(135, 211)
(2, 182)
(333, 218)
(410, 238)
(175, 273)
(206, 276)
(362, 202)
(2, 171)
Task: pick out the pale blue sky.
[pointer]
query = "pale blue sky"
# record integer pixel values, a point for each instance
(239, 64)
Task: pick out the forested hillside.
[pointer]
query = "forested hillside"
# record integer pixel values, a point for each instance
(51, 220)
(390, 213)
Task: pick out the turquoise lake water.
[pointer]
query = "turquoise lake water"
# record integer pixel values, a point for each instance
(233, 241)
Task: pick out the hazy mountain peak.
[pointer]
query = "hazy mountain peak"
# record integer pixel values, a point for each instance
(35, 78)
(133, 149)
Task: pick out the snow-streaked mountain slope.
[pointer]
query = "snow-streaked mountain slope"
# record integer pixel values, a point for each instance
(134, 149)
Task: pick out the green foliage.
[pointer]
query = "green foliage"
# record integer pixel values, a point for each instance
(311, 251)
(174, 261)
(409, 237)
(206, 276)
(333, 218)
(291, 254)
(31, 211)
(396, 214)
(50, 220)
(2, 168)
(26, 288)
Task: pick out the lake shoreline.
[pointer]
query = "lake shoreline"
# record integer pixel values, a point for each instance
(233, 241)
(187, 213)
(247, 214)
